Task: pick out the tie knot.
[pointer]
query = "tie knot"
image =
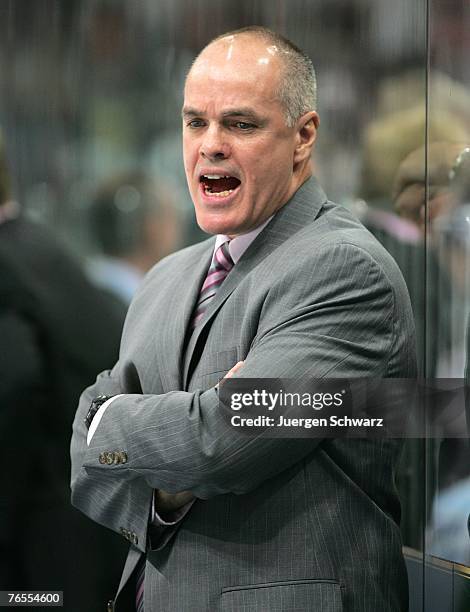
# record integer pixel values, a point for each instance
(221, 265)
(222, 258)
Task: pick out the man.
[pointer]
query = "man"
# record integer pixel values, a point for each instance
(276, 524)
(56, 329)
(135, 224)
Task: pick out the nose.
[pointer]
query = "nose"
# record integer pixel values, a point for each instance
(214, 146)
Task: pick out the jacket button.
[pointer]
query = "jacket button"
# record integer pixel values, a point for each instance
(110, 606)
(109, 458)
(102, 458)
(123, 455)
(117, 457)
(135, 539)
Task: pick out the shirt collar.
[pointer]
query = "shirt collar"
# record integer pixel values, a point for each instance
(238, 245)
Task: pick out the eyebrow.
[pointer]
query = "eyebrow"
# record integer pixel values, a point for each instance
(190, 112)
(245, 112)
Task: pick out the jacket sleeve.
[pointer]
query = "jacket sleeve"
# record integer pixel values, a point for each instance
(107, 501)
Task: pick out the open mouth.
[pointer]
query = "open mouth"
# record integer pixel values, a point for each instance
(218, 185)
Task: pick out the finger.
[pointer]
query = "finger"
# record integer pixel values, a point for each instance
(235, 368)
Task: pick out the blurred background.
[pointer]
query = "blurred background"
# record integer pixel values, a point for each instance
(92, 194)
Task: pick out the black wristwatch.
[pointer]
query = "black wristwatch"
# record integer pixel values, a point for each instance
(94, 406)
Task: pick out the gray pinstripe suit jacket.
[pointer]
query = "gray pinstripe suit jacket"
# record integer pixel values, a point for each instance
(279, 524)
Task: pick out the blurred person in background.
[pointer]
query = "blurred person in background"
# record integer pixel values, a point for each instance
(432, 192)
(56, 329)
(447, 532)
(435, 196)
(389, 141)
(135, 224)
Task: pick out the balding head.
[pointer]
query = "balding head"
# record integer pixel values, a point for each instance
(296, 88)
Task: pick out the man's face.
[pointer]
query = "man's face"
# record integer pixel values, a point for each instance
(238, 151)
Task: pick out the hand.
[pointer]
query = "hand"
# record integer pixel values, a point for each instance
(232, 371)
(409, 190)
(169, 502)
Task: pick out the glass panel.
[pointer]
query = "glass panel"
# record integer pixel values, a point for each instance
(447, 226)
(461, 593)
(394, 128)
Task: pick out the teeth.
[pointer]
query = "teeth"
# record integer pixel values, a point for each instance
(219, 194)
(215, 176)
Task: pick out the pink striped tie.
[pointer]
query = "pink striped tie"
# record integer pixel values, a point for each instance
(139, 596)
(221, 265)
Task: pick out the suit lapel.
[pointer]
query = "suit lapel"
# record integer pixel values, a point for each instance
(298, 212)
(181, 302)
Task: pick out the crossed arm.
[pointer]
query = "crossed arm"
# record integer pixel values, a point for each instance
(178, 441)
(167, 503)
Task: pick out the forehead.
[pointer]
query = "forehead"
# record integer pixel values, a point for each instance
(233, 69)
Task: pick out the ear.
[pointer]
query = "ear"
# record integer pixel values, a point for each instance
(306, 134)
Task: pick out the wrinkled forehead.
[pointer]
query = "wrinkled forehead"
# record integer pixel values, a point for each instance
(238, 55)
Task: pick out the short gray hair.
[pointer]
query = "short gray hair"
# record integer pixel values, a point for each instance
(298, 85)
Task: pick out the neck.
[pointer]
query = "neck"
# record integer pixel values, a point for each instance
(299, 177)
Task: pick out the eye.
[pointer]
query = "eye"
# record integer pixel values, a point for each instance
(244, 126)
(195, 123)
